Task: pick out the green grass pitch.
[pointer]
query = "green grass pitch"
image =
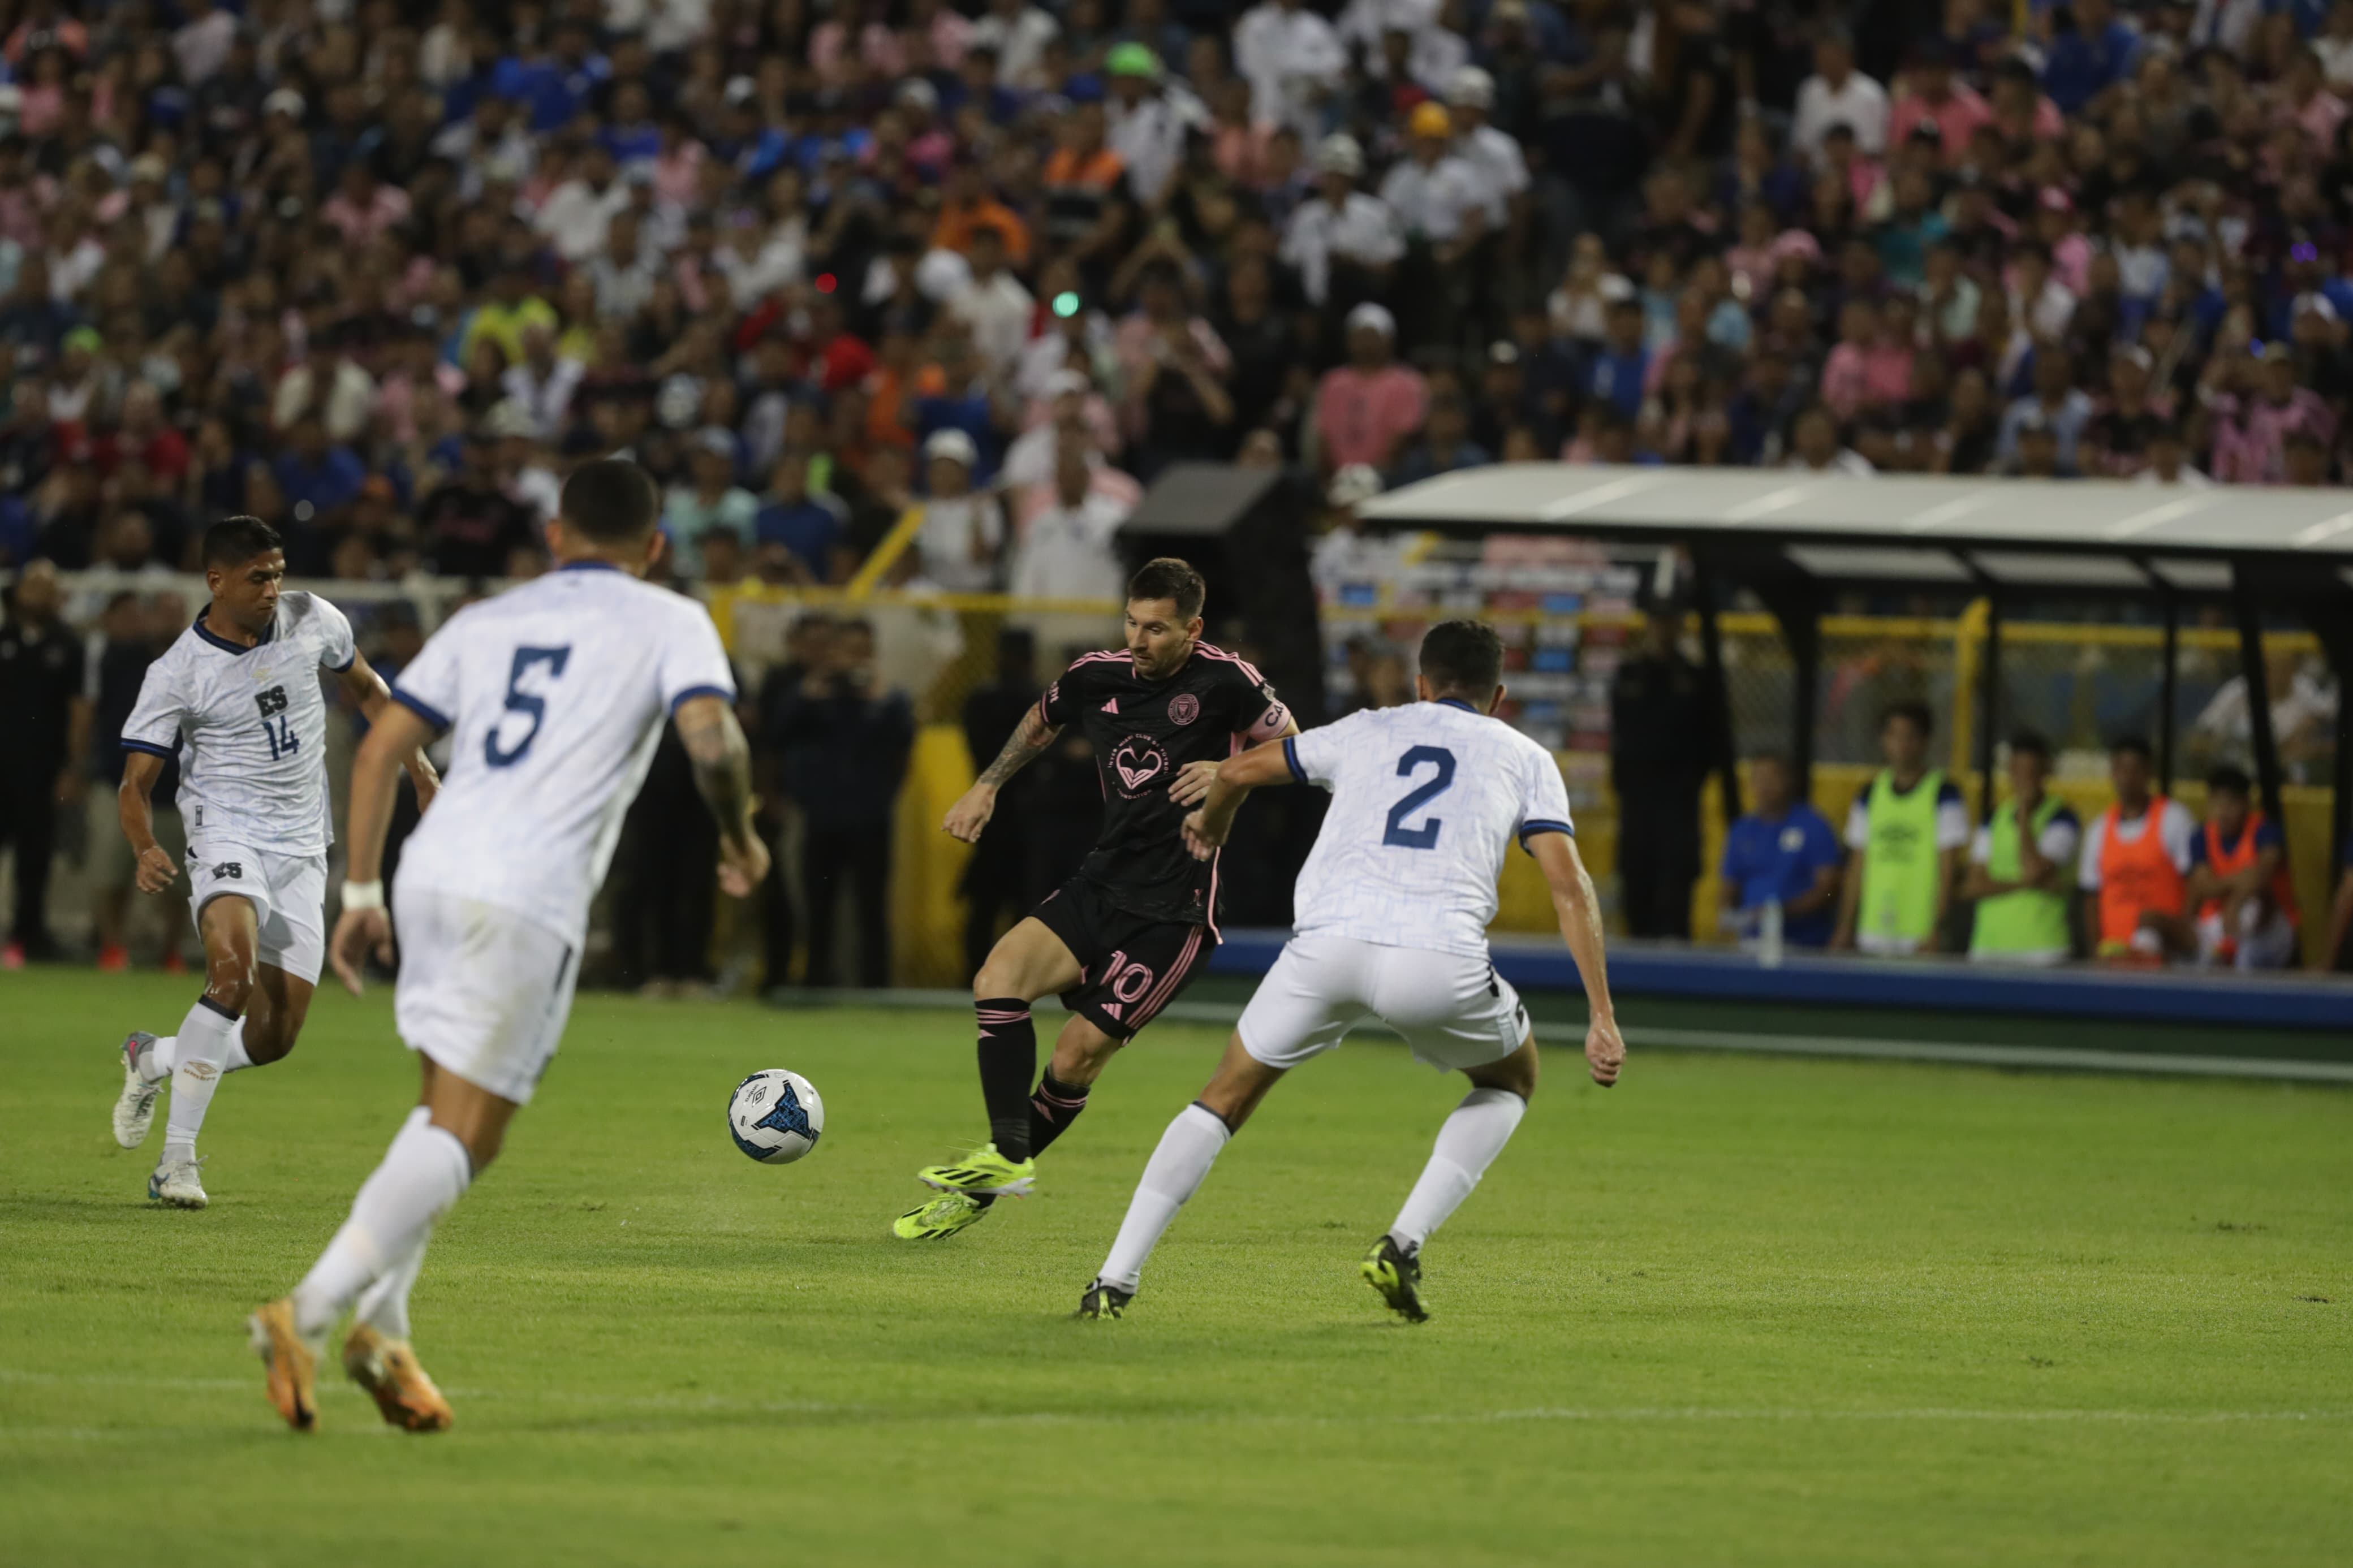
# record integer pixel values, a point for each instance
(1734, 1311)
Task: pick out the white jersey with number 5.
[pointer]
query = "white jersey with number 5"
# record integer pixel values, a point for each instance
(554, 694)
(1425, 800)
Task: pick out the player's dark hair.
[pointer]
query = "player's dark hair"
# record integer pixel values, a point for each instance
(2135, 745)
(2030, 743)
(1464, 658)
(611, 501)
(1166, 577)
(1921, 720)
(2230, 780)
(234, 541)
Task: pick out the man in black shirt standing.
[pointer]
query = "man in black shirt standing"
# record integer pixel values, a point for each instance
(46, 716)
(1658, 759)
(1120, 939)
(468, 526)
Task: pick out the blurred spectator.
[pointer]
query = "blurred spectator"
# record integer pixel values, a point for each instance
(710, 500)
(1659, 758)
(2136, 860)
(2019, 865)
(1838, 94)
(961, 533)
(467, 527)
(1068, 549)
(1781, 853)
(846, 745)
(47, 717)
(1365, 407)
(1906, 830)
(2244, 901)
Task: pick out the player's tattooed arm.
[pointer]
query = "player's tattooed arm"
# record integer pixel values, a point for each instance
(722, 758)
(366, 690)
(972, 811)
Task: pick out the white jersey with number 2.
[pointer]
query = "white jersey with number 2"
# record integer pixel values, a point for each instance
(554, 694)
(1426, 798)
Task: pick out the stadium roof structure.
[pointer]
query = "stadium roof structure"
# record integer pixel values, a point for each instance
(1795, 537)
(2096, 536)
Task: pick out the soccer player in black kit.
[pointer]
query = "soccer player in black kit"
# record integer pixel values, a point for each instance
(1120, 940)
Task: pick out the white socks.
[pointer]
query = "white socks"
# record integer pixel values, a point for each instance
(165, 1054)
(383, 1244)
(383, 1305)
(1467, 1145)
(198, 1053)
(1172, 1174)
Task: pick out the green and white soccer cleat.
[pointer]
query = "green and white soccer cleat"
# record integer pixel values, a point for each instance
(175, 1186)
(1104, 1300)
(983, 1171)
(1396, 1275)
(134, 1109)
(939, 1219)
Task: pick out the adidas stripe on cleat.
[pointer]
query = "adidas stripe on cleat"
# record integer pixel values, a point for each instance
(983, 1171)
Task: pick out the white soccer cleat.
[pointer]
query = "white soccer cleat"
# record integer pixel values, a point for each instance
(134, 1109)
(175, 1186)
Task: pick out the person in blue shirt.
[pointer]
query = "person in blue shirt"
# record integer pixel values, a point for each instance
(555, 86)
(806, 527)
(1781, 851)
(2100, 52)
(1621, 364)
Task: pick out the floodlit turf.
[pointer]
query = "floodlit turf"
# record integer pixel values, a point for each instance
(1735, 1311)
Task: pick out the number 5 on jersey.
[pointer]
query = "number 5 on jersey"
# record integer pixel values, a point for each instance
(1426, 835)
(533, 705)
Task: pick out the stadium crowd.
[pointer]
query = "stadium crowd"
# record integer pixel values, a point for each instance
(960, 278)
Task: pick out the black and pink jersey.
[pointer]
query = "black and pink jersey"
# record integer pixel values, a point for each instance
(1143, 733)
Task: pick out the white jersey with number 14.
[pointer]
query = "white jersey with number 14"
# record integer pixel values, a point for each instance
(554, 694)
(1426, 799)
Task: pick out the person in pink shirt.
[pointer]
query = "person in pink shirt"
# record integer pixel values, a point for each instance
(1365, 407)
(2306, 102)
(1929, 93)
(363, 208)
(2251, 448)
(1846, 377)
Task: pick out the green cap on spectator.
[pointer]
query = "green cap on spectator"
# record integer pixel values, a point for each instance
(85, 338)
(1133, 59)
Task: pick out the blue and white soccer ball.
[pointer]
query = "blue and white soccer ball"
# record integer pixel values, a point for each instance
(774, 1116)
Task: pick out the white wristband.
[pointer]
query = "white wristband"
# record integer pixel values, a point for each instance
(363, 895)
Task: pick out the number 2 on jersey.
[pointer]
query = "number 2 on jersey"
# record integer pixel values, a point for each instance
(525, 703)
(1426, 835)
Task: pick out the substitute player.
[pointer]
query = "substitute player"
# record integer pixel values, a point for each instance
(1120, 939)
(240, 690)
(554, 694)
(1393, 906)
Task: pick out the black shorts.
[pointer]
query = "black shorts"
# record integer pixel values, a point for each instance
(1132, 966)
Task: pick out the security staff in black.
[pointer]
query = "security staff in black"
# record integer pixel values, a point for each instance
(1659, 758)
(1119, 940)
(44, 713)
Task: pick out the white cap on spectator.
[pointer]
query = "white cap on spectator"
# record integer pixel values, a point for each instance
(1338, 154)
(2317, 303)
(509, 419)
(1375, 316)
(1615, 287)
(716, 441)
(1354, 484)
(954, 445)
(1066, 381)
(1471, 89)
(918, 92)
(285, 100)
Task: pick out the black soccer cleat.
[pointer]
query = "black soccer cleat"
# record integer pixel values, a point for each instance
(1396, 1275)
(1103, 1301)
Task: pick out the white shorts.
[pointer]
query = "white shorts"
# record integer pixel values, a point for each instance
(288, 892)
(483, 992)
(2267, 939)
(1452, 1008)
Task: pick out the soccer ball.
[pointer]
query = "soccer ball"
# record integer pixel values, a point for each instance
(774, 1116)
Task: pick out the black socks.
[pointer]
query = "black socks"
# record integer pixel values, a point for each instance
(1052, 1109)
(1008, 1061)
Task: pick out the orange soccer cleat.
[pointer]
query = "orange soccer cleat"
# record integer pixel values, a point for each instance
(388, 1370)
(293, 1366)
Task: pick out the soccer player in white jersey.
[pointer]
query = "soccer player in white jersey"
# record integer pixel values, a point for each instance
(1391, 922)
(554, 695)
(240, 691)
